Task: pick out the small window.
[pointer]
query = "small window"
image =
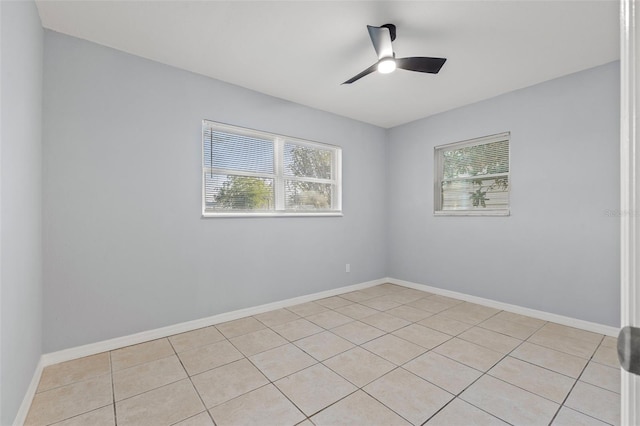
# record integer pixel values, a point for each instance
(472, 177)
(251, 173)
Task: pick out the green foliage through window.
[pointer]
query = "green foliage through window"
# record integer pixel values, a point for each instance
(473, 175)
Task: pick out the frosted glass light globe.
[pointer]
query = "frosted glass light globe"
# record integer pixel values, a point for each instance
(386, 65)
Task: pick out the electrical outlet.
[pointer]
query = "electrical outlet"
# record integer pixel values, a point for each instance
(347, 267)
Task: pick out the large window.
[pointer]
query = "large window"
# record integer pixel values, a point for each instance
(251, 173)
(472, 177)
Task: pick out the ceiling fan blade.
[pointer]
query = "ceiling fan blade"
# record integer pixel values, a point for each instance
(368, 71)
(381, 39)
(421, 64)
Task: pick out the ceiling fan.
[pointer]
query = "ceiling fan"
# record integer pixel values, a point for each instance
(381, 37)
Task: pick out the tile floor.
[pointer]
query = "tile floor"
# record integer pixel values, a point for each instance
(386, 355)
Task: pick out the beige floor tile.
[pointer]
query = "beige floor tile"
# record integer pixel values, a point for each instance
(75, 370)
(239, 327)
(323, 345)
(329, 319)
(444, 372)
(202, 419)
(607, 355)
(470, 313)
(568, 417)
(334, 302)
(144, 377)
(359, 366)
(535, 379)
(306, 309)
(305, 423)
(423, 336)
(408, 395)
(562, 343)
(383, 289)
(575, 333)
(358, 332)
(447, 300)
(163, 406)
(227, 382)
(207, 357)
(277, 317)
(196, 338)
(408, 313)
(602, 376)
(460, 413)
(282, 361)
(101, 417)
(596, 402)
(139, 354)
(297, 329)
(358, 409)
(469, 353)
(67, 401)
(314, 388)
(258, 341)
(520, 319)
(357, 296)
(394, 349)
(560, 362)
(430, 304)
(265, 405)
(381, 303)
(385, 322)
(610, 342)
(409, 295)
(445, 325)
(510, 328)
(509, 403)
(490, 339)
(420, 293)
(356, 311)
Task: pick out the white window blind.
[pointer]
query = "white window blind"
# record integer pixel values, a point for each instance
(472, 177)
(252, 173)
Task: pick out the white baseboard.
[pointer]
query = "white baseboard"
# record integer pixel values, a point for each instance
(158, 333)
(21, 416)
(546, 316)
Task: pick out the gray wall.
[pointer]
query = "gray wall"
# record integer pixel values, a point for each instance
(125, 247)
(21, 206)
(558, 251)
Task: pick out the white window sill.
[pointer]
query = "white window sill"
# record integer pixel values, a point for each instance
(472, 213)
(271, 214)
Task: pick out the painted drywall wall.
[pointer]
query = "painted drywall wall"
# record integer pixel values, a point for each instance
(558, 251)
(21, 205)
(125, 247)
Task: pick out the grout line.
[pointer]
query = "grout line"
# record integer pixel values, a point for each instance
(576, 382)
(272, 383)
(113, 391)
(335, 402)
(175, 353)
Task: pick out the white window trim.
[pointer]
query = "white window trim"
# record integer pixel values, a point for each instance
(438, 177)
(278, 175)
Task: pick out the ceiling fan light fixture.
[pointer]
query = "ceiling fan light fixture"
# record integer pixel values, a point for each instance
(386, 65)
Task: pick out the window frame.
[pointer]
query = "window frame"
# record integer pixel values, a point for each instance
(279, 177)
(439, 176)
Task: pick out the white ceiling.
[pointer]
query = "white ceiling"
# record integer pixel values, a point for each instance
(302, 50)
